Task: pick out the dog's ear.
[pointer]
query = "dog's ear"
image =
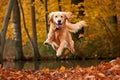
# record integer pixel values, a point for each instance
(68, 15)
(50, 16)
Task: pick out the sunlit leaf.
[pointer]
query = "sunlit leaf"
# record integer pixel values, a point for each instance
(66, 51)
(62, 68)
(45, 69)
(101, 75)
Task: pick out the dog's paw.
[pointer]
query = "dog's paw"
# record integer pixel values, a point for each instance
(73, 51)
(46, 43)
(58, 54)
(81, 36)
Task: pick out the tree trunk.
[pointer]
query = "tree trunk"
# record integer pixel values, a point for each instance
(113, 20)
(115, 17)
(46, 16)
(26, 30)
(34, 35)
(17, 32)
(0, 39)
(59, 5)
(4, 28)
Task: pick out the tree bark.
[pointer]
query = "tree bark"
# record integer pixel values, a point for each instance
(114, 19)
(17, 32)
(59, 5)
(26, 30)
(4, 28)
(46, 16)
(34, 35)
(0, 39)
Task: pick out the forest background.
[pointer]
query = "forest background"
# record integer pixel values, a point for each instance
(101, 37)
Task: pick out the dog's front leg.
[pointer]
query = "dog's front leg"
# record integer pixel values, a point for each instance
(61, 47)
(50, 37)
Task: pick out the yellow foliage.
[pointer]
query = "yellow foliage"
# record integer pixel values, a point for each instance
(3, 7)
(93, 10)
(40, 13)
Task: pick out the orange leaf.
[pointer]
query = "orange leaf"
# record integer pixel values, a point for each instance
(91, 36)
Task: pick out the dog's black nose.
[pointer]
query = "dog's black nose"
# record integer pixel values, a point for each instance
(59, 21)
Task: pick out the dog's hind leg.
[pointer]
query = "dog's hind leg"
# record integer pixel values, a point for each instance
(71, 46)
(61, 47)
(54, 46)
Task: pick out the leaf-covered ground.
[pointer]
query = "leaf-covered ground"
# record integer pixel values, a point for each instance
(104, 71)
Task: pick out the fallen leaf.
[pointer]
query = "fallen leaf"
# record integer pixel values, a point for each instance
(62, 68)
(66, 51)
(101, 75)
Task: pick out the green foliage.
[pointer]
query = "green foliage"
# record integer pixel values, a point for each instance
(46, 50)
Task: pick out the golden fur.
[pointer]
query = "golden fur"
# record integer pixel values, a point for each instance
(59, 36)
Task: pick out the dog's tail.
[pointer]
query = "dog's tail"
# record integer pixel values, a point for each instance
(81, 24)
(75, 27)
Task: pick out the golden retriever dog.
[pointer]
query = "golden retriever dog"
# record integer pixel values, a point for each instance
(59, 36)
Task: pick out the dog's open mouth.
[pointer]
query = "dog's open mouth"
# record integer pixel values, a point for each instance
(58, 26)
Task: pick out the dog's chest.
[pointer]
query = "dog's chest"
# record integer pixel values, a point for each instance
(59, 34)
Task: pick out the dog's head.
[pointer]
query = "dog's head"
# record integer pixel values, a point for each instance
(59, 18)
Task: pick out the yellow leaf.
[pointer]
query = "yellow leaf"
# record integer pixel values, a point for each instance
(66, 52)
(77, 67)
(45, 70)
(62, 68)
(101, 75)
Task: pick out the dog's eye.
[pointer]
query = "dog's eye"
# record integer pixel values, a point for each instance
(61, 16)
(55, 16)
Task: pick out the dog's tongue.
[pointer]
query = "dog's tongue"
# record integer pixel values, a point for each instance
(58, 27)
